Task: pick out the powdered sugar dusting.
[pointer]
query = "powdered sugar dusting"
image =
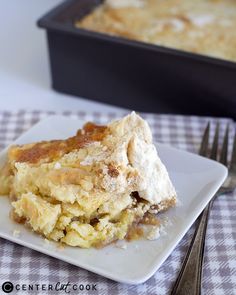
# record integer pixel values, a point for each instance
(201, 20)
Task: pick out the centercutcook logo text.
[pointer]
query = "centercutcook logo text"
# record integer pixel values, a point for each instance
(8, 287)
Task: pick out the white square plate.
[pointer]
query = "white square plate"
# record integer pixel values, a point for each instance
(195, 178)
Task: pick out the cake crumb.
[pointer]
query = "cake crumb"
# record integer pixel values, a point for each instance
(46, 243)
(121, 246)
(154, 233)
(16, 233)
(60, 247)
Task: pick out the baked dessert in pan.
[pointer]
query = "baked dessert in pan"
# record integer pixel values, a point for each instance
(203, 26)
(91, 189)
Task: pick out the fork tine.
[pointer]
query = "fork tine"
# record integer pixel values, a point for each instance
(233, 157)
(214, 149)
(205, 141)
(224, 151)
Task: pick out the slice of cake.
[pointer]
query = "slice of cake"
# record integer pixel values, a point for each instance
(91, 189)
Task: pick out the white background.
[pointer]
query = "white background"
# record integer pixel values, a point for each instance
(24, 68)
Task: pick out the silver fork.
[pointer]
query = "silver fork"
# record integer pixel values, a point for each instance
(189, 278)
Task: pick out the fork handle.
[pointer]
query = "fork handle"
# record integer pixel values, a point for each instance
(189, 279)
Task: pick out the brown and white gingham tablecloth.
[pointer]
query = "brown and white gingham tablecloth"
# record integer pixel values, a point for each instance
(25, 266)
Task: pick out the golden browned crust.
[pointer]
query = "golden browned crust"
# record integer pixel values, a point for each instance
(47, 151)
(205, 27)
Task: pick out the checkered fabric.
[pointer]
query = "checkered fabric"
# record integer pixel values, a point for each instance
(22, 265)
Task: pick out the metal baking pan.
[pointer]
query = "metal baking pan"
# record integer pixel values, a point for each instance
(133, 74)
